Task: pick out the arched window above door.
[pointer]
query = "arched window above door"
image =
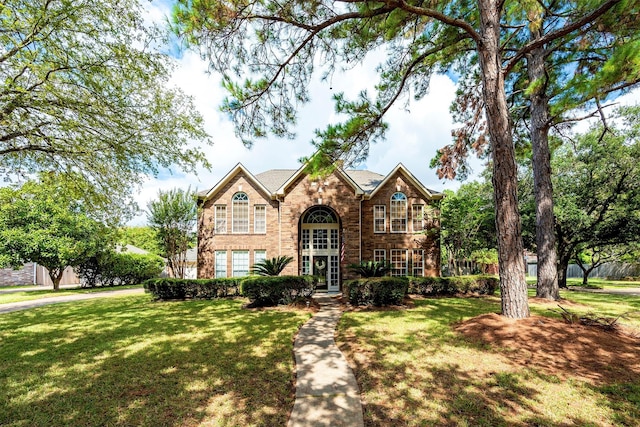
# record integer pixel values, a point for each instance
(320, 215)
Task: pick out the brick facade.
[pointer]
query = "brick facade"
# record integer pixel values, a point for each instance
(286, 202)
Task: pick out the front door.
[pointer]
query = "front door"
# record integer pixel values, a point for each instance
(319, 248)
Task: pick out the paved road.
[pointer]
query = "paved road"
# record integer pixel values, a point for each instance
(24, 305)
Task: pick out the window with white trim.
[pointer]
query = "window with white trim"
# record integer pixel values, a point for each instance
(221, 263)
(398, 262)
(417, 262)
(379, 218)
(259, 256)
(221, 219)
(417, 217)
(240, 263)
(379, 255)
(398, 213)
(240, 213)
(260, 219)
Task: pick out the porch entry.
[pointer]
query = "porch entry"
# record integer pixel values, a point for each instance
(320, 247)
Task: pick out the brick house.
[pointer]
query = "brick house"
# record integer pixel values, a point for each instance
(325, 224)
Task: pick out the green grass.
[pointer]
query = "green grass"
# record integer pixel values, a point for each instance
(413, 369)
(128, 361)
(48, 293)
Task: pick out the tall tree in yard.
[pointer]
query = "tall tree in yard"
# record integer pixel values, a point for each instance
(280, 42)
(576, 54)
(173, 216)
(44, 222)
(83, 88)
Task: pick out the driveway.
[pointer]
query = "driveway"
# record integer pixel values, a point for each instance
(24, 305)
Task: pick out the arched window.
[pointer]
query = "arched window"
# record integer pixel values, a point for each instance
(398, 213)
(240, 213)
(320, 215)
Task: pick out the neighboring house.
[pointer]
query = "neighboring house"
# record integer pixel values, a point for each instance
(325, 224)
(35, 274)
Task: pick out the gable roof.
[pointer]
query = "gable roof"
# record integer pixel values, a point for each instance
(274, 182)
(301, 171)
(229, 176)
(400, 168)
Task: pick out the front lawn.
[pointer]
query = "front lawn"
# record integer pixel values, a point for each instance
(18, 296)
(418, 367)
(128, 361)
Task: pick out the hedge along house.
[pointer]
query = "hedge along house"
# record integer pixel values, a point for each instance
(324, 223)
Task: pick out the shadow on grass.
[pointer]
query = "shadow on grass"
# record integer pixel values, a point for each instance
(413, 369)
(128, 361)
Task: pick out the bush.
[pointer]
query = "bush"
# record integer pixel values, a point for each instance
(432, 286)
(111, 268)
(265, 291)
(171, 288)
(376, 291)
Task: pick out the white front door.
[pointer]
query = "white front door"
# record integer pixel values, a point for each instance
(320, 252)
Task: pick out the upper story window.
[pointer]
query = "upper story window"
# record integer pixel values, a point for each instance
(260, 219)
(240, 213)
(221, 219)
(398, 213)
(417, 217)
(379, 219)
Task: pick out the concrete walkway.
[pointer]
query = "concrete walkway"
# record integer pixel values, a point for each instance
(326, 391)
(23, 305)
(634, 292)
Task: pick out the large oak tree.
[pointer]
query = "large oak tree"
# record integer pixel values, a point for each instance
(83, 88)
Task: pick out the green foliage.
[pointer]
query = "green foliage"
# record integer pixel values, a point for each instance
(271, 267)
(172, 288)
(83, 89)
(467, 222)
(141, 237)
(371, 268)
(377, 291)
(597, 188)
(485, 257)
(434, 286)
(264, 291)
(111, 268)
(173, 217)
(42, 222)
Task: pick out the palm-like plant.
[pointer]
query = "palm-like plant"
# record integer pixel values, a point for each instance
(271, 267)
(371, 268)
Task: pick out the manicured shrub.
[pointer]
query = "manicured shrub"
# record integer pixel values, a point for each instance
(171, 288)
(110, 268)
(376, 291)
(265, 291)
(432, 286)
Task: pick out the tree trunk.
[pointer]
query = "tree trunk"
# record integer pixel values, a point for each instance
(513, 286)
(547, 286)
(563, 265)
(55, 274)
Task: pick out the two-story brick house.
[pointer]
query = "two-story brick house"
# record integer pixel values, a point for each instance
(325, 224)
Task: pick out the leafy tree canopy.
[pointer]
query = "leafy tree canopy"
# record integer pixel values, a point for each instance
(42, 222)
(84, 89)
(173, 216)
